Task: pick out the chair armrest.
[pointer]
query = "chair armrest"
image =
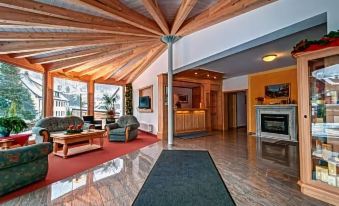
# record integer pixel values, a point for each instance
(109, 127)
(133, 126)
(21, 155)
(41, 134)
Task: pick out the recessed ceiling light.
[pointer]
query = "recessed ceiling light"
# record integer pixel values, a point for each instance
(269, 58)
(196, 73)
(214, 77)
(208, 75)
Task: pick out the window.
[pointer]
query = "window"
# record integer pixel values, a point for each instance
(70, 97)
(20, 93)
(100, 105)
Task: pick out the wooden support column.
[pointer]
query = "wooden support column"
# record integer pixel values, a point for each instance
(162, 107)
(48, 102)
(90, 98)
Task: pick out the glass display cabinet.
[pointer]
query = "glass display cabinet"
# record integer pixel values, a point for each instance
(318, 88)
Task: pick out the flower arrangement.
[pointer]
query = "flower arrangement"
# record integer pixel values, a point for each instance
(74, 129)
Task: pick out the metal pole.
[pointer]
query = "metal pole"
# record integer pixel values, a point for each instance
(169, 40)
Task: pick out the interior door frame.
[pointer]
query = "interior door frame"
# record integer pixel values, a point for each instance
(225, 108)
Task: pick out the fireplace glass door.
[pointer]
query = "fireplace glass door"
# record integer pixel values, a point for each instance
(324, 106)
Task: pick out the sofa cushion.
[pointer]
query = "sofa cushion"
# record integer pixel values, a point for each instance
(118, 131)
(22, 155)
(55, 124)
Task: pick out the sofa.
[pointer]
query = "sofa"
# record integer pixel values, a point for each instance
(124, 130)
(22, 166)
(44, 127)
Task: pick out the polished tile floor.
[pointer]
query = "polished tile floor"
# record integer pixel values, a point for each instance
(256, 172)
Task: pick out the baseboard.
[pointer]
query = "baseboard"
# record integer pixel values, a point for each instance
(148, 133)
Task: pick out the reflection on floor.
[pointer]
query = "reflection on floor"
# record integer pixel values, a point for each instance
(256, 172)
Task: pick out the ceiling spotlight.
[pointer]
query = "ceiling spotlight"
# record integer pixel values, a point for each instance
(269, 58)
(195, 73)
(214, 77)
(208, 75)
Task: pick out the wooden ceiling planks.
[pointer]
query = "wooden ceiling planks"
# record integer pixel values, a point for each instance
(103, 40)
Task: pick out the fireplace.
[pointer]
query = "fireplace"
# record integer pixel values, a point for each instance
(277, 121)
(274, 123)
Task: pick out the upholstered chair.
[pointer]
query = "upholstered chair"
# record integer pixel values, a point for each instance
(44, 127)
(124, 130)
(23, 165)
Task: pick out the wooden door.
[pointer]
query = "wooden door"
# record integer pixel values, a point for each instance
(232, 110)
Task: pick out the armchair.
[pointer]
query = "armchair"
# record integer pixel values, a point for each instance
(23, 165)
(124, 130)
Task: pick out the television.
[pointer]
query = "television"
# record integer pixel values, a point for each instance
(144, 102)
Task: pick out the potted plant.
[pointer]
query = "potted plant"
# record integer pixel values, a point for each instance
(11, 124)
(109, 102)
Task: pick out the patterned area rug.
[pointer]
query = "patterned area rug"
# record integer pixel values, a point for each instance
(182, 177)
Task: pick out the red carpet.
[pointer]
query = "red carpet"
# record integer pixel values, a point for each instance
(60, 168)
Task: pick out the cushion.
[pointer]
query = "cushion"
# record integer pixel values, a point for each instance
(119, 131)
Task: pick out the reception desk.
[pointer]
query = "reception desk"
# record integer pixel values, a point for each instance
(189, 120)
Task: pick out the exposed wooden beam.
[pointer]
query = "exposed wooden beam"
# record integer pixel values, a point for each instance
(59, 12)
(24, 63)
(219, 12)
(30, 54)
(108, 70)
(72, 55)
(43, 36)
(151, 57)
(29, 46)
(157, 14)
(183, 11)
(122, 13)
(129, 69)
(77, 61)
(13, 16)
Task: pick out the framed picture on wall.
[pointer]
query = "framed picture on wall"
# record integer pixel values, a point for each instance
(183, 98)
(278, 91)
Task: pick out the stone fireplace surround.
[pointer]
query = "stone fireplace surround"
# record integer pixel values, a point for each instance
(289, 109)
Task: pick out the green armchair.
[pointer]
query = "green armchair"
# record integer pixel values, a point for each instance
(22, 166)
(124, 130)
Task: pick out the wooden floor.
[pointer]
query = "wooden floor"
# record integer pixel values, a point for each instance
(256, 172)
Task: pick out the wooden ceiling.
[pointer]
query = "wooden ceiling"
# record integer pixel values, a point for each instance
(103, 40)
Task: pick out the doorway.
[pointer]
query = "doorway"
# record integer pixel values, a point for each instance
(235, 112)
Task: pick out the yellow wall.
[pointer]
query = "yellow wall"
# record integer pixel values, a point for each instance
(256, 88)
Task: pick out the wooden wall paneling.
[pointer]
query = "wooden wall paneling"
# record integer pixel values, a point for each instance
(196, 97)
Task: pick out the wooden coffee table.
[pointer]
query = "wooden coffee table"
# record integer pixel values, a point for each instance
(66, 139)
(6, 144)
